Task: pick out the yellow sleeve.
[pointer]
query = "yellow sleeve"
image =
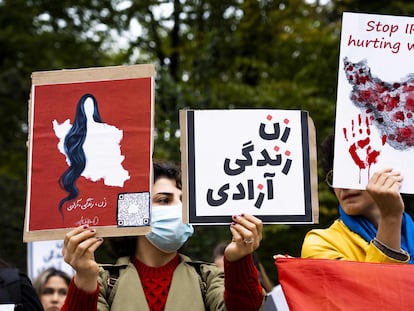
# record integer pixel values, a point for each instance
(338, 242)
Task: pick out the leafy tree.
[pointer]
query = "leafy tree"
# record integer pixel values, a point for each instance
(209, 54)
(242, 54)
(34, 36)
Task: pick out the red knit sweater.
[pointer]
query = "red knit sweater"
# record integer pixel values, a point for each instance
(156, 282)
(242, 288)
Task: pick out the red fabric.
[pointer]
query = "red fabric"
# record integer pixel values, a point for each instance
(156, 282)
(325, 284)
(242, 287)
(77, 299)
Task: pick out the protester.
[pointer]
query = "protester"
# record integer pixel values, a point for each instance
(16, 289)
(218, 253)
(153, 275)
(51, 286)
(372, 226)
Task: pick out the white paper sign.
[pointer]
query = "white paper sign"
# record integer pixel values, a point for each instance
(375, 104)
(248, 161)
(45, 254)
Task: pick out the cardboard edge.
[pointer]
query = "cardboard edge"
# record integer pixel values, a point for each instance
(151, 161)
(108, 231)
(184, 161)
(29, 162)
(314, 170)
(93, 74)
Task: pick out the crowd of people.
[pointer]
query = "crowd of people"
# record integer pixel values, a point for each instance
(152, 273)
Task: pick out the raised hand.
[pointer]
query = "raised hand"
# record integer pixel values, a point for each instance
(384, 188)
(247, 234)
(78, 251)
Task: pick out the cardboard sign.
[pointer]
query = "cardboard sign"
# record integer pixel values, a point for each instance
(259, 162)
(90, 150)
(374, 114)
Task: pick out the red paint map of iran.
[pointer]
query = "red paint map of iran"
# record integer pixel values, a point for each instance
(388, 105)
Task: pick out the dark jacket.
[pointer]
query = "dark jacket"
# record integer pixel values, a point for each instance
(16, 288)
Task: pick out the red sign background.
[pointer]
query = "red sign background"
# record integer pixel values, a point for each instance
(126, 104)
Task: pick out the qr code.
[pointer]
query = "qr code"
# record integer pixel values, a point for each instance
(133, 209)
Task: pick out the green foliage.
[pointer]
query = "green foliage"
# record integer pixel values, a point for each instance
(209, 54)
(34, 35)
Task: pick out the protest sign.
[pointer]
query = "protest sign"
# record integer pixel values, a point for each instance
(46, 254)
(259, 162)
(375, 100)
(90, 150)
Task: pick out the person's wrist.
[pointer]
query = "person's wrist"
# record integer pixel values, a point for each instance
(400, 254)
(391, 219)
(232, 258)
(86, 283)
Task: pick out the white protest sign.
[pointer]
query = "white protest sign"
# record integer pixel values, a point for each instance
(45, 254)
(259, 162)
(375, 104)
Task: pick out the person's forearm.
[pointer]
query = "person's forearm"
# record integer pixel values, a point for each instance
(242, 287)
(79, 300)
(87, 284)
(389, 231)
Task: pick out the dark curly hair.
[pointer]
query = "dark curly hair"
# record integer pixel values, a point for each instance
(126, 246)
(168, 170)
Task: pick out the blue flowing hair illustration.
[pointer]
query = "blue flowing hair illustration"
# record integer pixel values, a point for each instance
(73, 145)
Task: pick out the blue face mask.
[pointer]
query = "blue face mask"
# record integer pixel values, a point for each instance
(168, 233)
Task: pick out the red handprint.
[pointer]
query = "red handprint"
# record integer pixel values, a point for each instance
(360, 150)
